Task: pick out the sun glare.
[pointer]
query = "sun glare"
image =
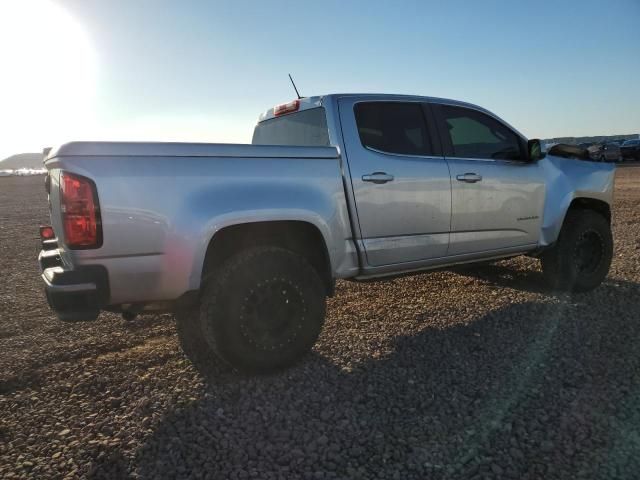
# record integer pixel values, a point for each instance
(48, 80)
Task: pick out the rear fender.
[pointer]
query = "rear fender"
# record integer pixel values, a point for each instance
(231, 205)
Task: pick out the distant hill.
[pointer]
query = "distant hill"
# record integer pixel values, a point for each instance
(596, 139)
(22, 160)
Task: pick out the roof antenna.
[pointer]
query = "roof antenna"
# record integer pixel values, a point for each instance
(294, 87)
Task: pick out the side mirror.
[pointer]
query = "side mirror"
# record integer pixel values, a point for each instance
(534, 149)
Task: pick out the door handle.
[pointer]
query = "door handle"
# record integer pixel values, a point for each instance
(377, 177)
(469, 178)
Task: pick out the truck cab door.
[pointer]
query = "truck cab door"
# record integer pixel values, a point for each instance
(401, 184)
(497, 195)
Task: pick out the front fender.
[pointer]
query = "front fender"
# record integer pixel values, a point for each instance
(569, 179)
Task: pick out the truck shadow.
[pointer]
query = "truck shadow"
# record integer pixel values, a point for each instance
(505, 276)
(532, 390)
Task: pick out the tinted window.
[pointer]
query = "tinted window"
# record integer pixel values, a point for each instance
(393, 127)
(476, 135)
(307, 128)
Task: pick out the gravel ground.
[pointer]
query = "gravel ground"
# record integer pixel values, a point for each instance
(471, 374)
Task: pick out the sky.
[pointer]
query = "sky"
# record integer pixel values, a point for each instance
(161, 70)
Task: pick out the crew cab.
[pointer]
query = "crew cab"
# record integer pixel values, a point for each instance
(245, 242)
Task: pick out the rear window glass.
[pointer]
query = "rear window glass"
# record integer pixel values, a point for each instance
(307, 128)
(393, 127)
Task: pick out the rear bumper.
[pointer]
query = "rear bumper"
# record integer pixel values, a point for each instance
(74, 294)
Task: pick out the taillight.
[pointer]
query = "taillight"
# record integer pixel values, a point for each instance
(80, 212)
(46, 232)
(286, 108)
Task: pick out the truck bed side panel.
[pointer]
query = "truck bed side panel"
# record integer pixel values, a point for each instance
(160, 213)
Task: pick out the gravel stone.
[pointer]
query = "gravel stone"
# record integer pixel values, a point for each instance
(471, 373)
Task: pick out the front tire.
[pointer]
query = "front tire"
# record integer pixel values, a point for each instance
(580, 259)
(263, 309)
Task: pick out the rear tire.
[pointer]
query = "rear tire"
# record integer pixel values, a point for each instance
(580, 259)
(263, 309)
(192, 341)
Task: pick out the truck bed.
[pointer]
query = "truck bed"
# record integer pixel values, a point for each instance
(161, 203)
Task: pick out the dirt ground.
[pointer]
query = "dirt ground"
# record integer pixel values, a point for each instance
(478, 373)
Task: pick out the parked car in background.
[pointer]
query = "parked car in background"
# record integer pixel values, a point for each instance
(594, 150)
(605, 152)
(630, 150)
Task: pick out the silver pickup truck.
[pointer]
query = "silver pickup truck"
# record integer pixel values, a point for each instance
(245, 242)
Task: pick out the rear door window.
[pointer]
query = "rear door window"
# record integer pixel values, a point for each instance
(393, 127)
(474, 134)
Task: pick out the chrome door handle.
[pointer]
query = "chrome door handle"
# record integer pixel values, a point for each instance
(377, 177)
(469, 178)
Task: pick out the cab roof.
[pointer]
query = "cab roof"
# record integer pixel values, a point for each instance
(307, 103)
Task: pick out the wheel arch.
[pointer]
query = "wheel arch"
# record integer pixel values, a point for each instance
(551, 231)
(587, 203)
(300, 236)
